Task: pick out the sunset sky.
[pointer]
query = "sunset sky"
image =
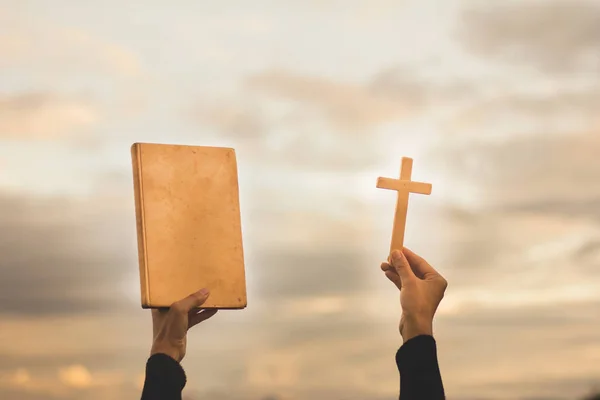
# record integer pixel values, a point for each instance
(496, 101)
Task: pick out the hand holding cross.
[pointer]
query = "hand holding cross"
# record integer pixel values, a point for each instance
(403, 186)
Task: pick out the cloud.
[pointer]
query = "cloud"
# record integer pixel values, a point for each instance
(12, 47)
(346, 106)
(112, 56)
(75, 376)
(78, 376)
(556, 36)
(288, 139)
(572, 329)
(405, 85)
(64, 256)
(20, 377)
(70, 356)
(285, 275)
(59, 48)
(334, 356)
(44, 116)
(243, 121)
(286, 118)
(530, 223)
(551, 110)
(69, 383)
(558, 173)
(318, 356)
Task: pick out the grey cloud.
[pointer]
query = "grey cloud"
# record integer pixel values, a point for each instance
(290, 274)
(560, 316)
(476, 247)
(582, 102)
(394, 93)
(243, 121)
(497, 340)
(590, 249)
(554, 36)
(63, 256)
(16, 394)
(328, 125)
(298, 394)
(474, 240)
(559, 173)
(545, 389)
(546, 111)
(573, 208)
(488, 246)
(253, 133)
(328, 328)
(350, 109)
(407, 86)
(467, 342)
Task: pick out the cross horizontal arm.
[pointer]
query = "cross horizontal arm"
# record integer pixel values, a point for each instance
(395, 184)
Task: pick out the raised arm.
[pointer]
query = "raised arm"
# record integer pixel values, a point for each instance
(165, 378)
(421, 291)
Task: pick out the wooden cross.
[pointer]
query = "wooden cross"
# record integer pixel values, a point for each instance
(403, 186)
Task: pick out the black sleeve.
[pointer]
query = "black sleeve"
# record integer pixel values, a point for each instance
(165, 378)
(420, 376)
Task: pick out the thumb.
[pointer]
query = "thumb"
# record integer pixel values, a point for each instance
(402, 267)
(192, 301)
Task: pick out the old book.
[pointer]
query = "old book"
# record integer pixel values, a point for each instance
(188, 224)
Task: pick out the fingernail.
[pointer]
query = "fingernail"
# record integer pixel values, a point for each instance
(204, 292)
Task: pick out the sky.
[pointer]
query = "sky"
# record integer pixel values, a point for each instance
(496, 101)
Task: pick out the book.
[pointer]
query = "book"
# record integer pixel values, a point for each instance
(188, 224)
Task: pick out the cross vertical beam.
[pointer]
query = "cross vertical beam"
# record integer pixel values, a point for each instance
(403, 186)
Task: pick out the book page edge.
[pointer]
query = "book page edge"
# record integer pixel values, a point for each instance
(140, 226)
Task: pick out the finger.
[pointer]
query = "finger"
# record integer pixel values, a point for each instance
(155, 321)
(393, 276)
(157, 313)
(402, 267)
(200, 316)
(418, 264)
(192, 301)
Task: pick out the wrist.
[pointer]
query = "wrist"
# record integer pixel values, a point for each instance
(411, 329)
(173, 353)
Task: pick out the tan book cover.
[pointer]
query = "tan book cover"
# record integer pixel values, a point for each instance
(188, 224)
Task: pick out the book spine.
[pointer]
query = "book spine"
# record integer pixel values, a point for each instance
(140, 226)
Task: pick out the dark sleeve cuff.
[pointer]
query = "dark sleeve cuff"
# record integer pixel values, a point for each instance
(417, 353)
(165, 378)
(417, 363)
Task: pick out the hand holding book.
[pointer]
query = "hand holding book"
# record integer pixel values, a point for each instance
(170, 325)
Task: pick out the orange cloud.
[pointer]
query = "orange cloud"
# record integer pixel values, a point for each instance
(44, 116)
(61, 49)
(75, 376)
